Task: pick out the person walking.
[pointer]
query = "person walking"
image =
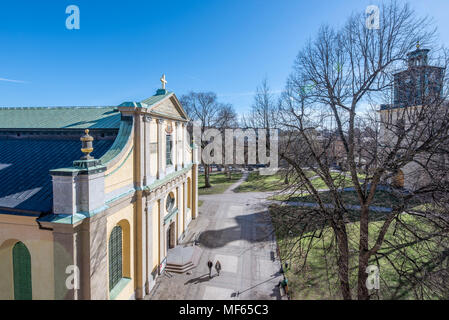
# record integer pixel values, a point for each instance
(284, 285)
(210, 265)
(218, 267)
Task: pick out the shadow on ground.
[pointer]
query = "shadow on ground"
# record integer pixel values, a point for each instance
(200, 279)
(254, 228)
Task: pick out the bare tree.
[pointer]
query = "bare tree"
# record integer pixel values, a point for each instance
(227, 119)
(326, 119)
(204, 108)
(263, 114)
(263, 111)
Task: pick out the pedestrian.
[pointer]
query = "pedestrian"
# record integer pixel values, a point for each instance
(284, 285)
(210, 265)
(218, 267)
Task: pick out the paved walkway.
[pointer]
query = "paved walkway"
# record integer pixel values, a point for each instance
(234, 228)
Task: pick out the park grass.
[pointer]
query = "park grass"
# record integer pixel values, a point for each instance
(264, 183)
(425, 207)
(261, 183)
(381, 198)
(316, 277)
(276, 182)
(340, 181)
(219, 181)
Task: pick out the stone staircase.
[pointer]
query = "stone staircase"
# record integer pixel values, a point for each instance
(182, 259)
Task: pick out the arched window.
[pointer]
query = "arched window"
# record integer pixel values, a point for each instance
(115, 257)
(21, 272)
(170, 202)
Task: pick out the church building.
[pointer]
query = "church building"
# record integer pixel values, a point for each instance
(93, 219)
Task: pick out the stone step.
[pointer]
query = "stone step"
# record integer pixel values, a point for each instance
(180, 269)
(178, 265)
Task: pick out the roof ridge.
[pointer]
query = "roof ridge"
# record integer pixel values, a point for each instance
(57, 107)
(156, 97)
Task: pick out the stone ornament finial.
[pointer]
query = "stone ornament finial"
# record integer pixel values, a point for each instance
(87, 146)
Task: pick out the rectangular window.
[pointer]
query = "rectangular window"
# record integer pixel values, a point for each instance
(168, 148)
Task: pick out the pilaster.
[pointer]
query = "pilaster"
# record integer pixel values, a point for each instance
(160, 149)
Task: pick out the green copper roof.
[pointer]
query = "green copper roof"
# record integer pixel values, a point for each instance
(160, 95)
(120, 142)
(132, 104)
(60, 118)
(24, 169)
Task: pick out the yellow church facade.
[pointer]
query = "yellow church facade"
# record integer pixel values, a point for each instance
(101, 227)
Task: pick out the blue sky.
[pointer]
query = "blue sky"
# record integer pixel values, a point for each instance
(123, 47)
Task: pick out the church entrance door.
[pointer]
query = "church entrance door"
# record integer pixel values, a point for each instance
(171, 236)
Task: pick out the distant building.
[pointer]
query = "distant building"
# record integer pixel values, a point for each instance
(420, 84)
(111, 210)
(417, 87)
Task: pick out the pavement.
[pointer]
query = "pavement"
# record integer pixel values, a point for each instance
(234, 228)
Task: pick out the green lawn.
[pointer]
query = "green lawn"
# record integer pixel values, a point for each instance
(220, 183)
(381, 198)
(256, 182)
(316, 277)
(430, 207)
(261, 183)
(340, 181)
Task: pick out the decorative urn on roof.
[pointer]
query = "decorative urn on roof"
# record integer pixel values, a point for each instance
(87, 146)
(86, 161)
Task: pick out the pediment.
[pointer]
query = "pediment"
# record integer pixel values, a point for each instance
(169, 107)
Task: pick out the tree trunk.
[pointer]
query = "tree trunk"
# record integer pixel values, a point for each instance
(362, 290)
(343, 259)
(207, 176)
(228, 173)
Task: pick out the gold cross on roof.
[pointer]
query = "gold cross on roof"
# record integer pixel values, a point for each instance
(163, 81)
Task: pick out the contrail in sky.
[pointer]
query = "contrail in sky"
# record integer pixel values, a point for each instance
(11, 80)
